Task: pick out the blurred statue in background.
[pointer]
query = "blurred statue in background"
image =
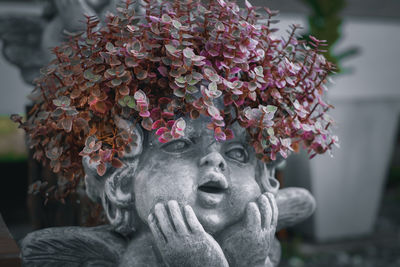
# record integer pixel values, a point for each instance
(69, 16)
(27, 40)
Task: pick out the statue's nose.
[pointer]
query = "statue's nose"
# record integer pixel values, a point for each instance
(213, 160)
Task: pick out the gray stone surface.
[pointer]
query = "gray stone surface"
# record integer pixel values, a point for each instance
(73, 246)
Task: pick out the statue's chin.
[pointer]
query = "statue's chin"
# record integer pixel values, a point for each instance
(212, 221)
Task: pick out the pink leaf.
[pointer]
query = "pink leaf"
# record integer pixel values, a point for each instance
(158, 124)
(162, 130)
(163, 71)
(248, 5)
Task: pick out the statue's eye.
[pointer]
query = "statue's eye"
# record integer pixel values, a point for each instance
(176, 146)
(237, 153)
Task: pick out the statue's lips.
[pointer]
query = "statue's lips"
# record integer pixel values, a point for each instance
(212, 189)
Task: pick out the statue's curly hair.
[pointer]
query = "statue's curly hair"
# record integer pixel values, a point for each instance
(110, 190)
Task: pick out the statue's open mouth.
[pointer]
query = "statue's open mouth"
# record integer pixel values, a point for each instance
(213, 187)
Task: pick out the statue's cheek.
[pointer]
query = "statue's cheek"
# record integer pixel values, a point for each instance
(161, 184)
(241, 194)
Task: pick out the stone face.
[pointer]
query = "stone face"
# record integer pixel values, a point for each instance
(217, 179)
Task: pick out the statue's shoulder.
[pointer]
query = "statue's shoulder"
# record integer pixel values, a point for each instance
(73, 246)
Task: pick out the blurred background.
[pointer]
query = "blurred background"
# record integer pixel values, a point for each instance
(357, 221)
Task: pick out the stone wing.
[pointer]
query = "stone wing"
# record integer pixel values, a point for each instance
(73, 246)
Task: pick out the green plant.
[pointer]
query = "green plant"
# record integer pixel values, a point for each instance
(325, 22)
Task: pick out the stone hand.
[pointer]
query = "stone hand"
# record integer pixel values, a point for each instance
(248, 242)
(181, 238)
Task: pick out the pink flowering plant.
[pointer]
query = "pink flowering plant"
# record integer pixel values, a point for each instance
(179, 59)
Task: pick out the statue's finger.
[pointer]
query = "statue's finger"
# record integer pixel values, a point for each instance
(163, 220)
(155, 230)
(253, 216)
(265, 210)
(177, 217)
(193, 222)
(274, 207)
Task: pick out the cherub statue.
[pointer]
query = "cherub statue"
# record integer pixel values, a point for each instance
(179, 119)
(190, 202)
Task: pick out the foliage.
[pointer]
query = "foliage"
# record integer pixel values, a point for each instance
(325, 23)
(7, 127)
(12, 157)
(180, 59)
(12, 142)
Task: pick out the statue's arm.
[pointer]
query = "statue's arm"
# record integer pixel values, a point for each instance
(295, 205)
